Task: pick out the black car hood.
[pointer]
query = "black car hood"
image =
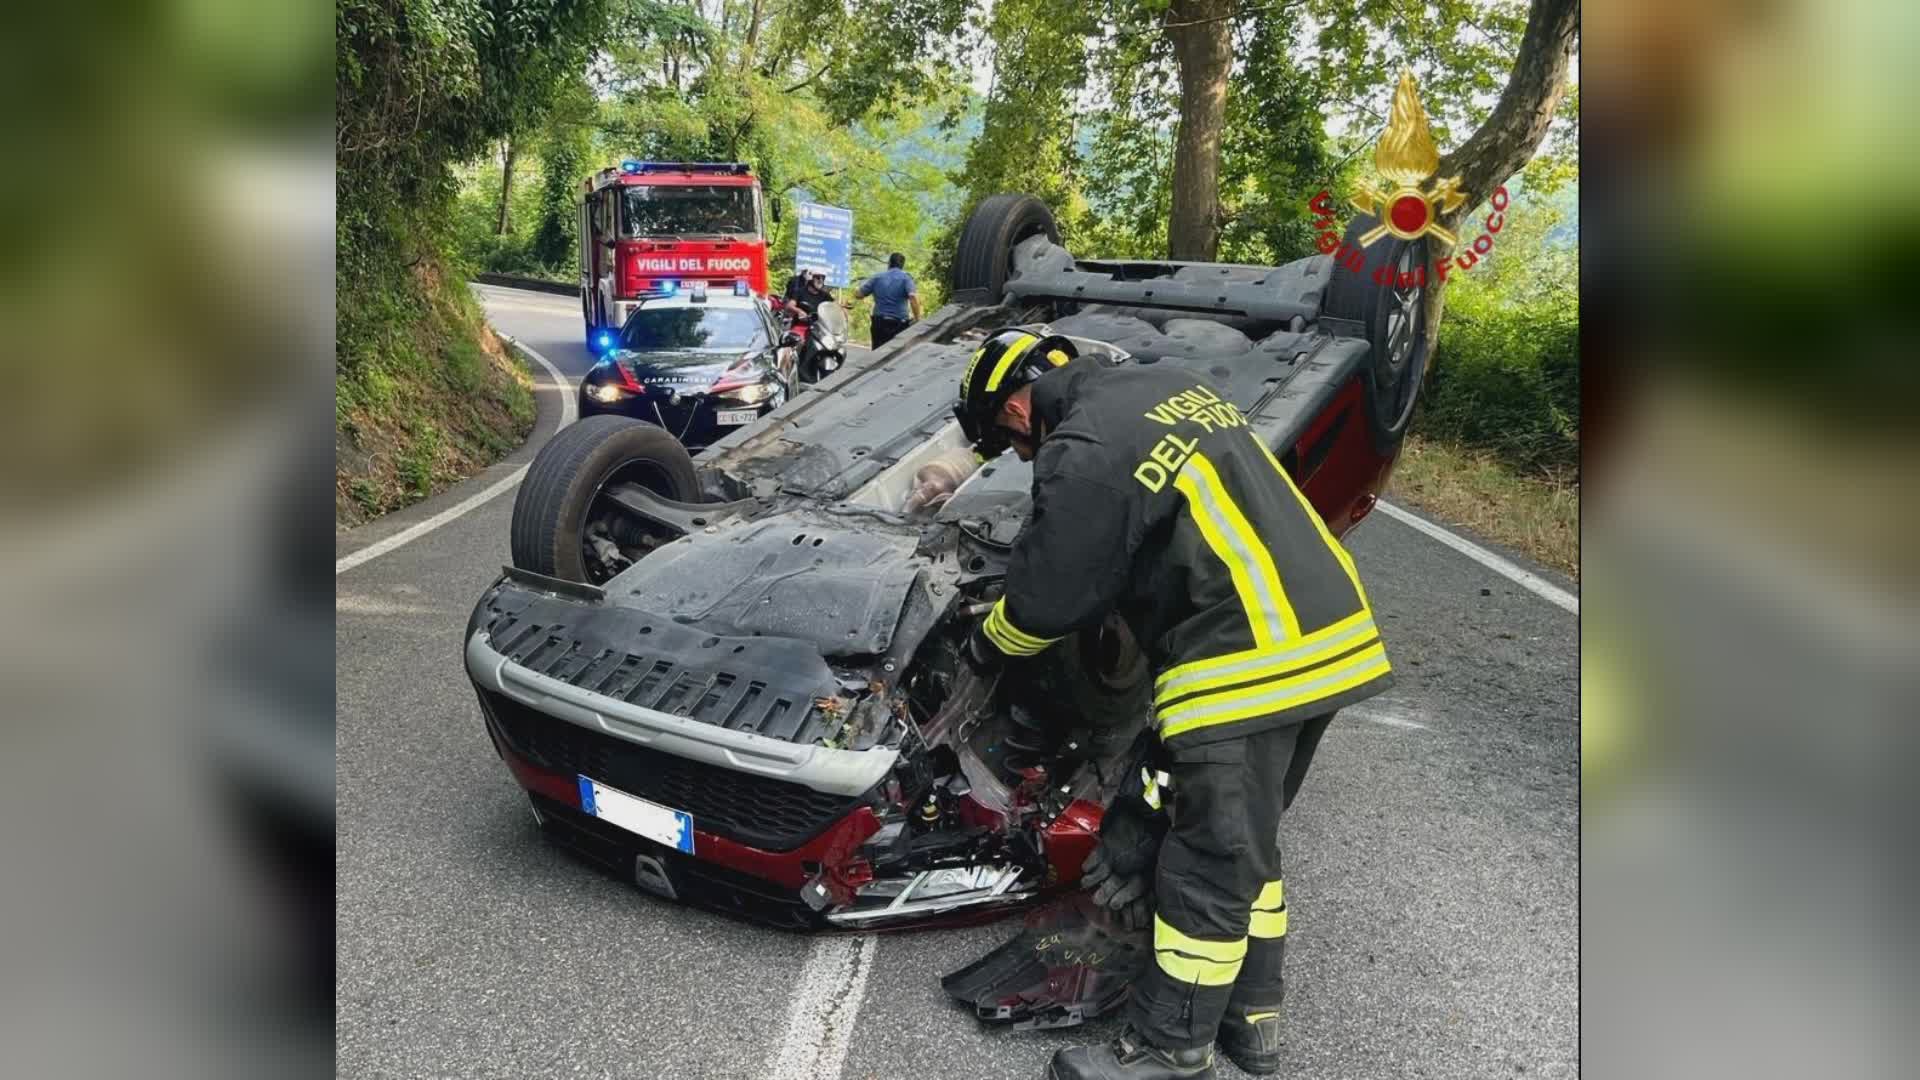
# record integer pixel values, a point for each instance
(681, 371)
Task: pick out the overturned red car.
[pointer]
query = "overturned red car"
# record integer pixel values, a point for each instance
(740, 686)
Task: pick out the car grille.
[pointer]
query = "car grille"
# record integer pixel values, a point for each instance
(704, 884)
(760, 811)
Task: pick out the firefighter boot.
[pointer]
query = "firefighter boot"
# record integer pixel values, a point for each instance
(1129, 1057)
(1250, 1037)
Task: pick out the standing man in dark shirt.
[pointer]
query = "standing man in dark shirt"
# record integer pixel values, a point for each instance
(893, 293)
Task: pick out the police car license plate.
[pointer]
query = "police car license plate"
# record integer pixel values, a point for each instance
(736, 416)
(661, 824)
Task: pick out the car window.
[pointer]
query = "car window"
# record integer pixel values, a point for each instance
(694, 327)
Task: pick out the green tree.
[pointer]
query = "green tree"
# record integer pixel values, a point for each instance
(421, 85)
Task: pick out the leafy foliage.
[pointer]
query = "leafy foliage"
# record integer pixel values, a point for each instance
(909, 113)
(420, 86)
(1506, 371)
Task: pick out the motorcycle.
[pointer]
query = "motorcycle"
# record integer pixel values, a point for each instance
(821, 337)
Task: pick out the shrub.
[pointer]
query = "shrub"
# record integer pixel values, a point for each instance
(1506, 378)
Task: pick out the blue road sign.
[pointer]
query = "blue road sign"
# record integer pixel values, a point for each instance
(823, 240)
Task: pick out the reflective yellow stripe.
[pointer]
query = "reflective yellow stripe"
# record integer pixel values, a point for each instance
(966, 377)
(1150, 792)
(1254, 1018)
(1196, 960)
(1168, 936)
(1268, 924)
(1268, 664)
(1007, 638)
(1213, 664)
(1269, 912)
(1339, 549)
(1014, 633)
(1256, 547)
(1006, 625)
(1007, 358)
(1275, 696)
(1269, 617)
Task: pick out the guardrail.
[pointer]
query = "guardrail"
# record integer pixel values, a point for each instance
(516, 281)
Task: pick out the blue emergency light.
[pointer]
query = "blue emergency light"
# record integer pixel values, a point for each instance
(667, 288)
(603, 342)
(631, 166)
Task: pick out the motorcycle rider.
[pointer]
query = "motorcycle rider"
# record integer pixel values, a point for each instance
(806, 291)
(1152, 496)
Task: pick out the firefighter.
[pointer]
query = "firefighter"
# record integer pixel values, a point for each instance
(1153, 497)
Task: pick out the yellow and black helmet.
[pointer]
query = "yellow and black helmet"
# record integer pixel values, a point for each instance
(1009, 359)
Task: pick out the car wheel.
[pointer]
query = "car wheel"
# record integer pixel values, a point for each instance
(984, 256)
(1106, 680)
(1394, 320)
(562, 517)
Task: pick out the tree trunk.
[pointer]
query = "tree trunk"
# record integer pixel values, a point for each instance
(1512, 132)
(753, 37)
(1201, 31)
(506, 188)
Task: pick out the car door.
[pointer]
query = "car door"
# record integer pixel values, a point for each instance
(604, 252)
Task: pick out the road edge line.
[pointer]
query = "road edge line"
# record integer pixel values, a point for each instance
(419, 529)
(1526, 579)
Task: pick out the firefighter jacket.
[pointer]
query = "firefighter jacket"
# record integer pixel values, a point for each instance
(1152, 496)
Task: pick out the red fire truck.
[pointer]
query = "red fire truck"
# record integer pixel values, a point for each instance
(651, 226)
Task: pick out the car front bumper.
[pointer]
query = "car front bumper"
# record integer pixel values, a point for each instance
(692, 418)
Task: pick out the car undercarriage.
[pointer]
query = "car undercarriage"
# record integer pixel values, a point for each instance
(739, 684)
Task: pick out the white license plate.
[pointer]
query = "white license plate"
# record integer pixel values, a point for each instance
(661, 824)
(736, 416)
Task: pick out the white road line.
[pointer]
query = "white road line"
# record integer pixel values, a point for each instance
(1381, 716)
(832, 984)
(504, 484)
(1526, 579)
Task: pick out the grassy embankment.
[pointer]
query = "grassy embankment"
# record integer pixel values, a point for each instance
(432, 399)
(1496, 447)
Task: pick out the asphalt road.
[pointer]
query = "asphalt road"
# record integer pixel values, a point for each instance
(1432, 863)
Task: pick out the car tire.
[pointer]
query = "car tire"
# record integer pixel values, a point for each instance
(984, 256)
(1105, 680)
(1394, 329)
(555, 505)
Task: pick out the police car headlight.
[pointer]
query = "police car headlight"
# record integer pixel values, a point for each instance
(748, 395)
(604, 393)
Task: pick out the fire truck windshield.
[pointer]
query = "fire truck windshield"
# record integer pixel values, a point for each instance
(683, 210)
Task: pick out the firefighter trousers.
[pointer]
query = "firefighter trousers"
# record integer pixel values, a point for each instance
(1220, 925)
